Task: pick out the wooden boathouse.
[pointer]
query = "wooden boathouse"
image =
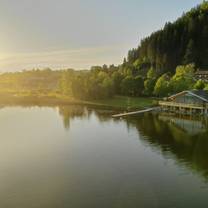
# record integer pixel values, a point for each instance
(187, 102)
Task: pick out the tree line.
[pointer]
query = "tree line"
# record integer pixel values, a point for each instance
(105, 82)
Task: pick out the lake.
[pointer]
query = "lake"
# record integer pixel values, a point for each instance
(77, 157)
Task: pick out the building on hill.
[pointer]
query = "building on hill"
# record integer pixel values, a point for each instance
(187, 102)
(203, 75)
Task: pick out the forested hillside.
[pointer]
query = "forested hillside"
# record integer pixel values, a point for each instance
(182, 42)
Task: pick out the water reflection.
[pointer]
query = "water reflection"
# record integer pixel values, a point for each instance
(180, 137)
(187, 124)
(98, 161)
(69, 113)
(184, 138)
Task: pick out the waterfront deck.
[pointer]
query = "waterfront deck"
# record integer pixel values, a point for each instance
(184, 108)
(182, 105)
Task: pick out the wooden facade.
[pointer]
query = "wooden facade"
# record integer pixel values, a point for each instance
(187, 102)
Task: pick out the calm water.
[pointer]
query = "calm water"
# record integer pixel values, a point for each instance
(73, 157)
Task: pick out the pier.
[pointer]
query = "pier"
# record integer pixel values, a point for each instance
(134, 112)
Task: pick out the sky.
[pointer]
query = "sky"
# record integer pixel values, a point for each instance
(78, 33)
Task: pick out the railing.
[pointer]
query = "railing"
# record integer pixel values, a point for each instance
(183, 105)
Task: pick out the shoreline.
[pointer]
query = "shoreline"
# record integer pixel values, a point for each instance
(116, 103)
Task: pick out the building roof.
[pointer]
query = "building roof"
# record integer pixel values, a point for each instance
(200, 94)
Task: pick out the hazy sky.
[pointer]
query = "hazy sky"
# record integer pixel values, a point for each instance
(78, 33)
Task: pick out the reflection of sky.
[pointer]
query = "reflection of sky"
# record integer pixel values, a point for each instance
(78, 33)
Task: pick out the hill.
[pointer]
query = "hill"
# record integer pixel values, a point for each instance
(181, 42)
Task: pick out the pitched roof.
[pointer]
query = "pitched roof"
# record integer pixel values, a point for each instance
(200, 94)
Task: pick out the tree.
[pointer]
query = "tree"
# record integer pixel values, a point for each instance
(183, 78)
(139, 85)
(117, 78)
(162, 86)
(107, 87)
(128, 86)
(65, 83)
(149, 83)
(151, 74)
(199, 85)
(189, 56)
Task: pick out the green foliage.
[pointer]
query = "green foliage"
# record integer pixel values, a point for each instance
(65, 82)
(189, 56)
(162, 86)
(204, 6)
(199, 85)
(151, 74)
(206, 87)
(183, 78)
(124, 102)
(117, 78)
(149, 83)
(181, 42)
(139, 85)
(34, 81)
(128, 86)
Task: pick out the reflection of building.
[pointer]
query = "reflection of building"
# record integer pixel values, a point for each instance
(186, 124)
(201, 75)
(177, 138)
(187, 102)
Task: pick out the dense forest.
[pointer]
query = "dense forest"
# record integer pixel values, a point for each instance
(164, 63)
(182, 42)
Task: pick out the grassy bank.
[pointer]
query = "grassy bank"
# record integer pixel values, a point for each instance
(117, 102)
(123, 102)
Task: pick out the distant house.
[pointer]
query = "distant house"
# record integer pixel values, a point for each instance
(203, 75)
(187, 102)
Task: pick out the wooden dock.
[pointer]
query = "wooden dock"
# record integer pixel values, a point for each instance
(134, 112)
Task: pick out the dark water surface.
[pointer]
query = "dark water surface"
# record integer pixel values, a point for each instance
(74, 157)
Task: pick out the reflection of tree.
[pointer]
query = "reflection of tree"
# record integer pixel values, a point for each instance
(189, 148)
(103, 115)
(68, 113)
(175, 136)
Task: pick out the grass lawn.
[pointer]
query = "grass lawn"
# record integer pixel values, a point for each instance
(123, 102)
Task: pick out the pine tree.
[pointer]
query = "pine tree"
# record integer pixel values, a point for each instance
(189, 56)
